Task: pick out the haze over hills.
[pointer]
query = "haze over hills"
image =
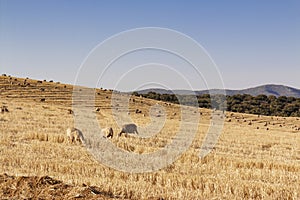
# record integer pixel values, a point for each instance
(269, 89)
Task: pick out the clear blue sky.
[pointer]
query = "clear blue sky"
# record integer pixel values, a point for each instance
(252, 42)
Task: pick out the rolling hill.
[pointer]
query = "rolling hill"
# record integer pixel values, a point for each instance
(270, 89)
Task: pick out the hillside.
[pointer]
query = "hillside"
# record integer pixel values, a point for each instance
(255, 157)
(271, 89)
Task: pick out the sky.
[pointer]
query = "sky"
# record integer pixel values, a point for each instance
(251, 42)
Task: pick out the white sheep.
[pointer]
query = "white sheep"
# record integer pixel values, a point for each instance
(75, 135)
(107, 132)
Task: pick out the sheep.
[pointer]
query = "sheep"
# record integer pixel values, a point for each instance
(107, 132)
(138, 111)
(75, 135)
(129, 128)
(4, 109)
(70, 111)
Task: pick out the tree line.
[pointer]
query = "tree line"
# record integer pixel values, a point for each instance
(242, 103)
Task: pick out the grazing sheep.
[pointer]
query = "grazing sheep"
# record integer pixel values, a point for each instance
(129, 128)
(138, 111)
(107, 132)
(4, 109)
(75, 135)
(70, 111)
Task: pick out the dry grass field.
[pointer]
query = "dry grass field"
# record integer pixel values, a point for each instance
(256, 157)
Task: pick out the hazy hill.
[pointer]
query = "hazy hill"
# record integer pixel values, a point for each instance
(270, 89)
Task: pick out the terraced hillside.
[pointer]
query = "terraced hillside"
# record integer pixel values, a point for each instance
(256, 157)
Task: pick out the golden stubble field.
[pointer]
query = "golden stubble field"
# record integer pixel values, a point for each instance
(256, 157)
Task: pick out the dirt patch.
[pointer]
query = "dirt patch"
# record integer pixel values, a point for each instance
(22, 187)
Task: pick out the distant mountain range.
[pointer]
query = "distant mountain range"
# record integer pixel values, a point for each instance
(270, 89)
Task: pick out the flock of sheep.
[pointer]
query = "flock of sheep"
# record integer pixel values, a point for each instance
(75, 135)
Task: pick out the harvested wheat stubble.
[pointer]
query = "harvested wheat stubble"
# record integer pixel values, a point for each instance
(248, 161)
